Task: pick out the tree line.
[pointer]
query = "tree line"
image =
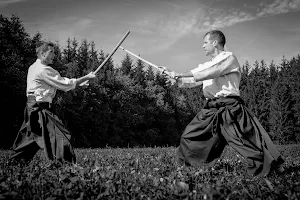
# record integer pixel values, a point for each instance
(131, 105)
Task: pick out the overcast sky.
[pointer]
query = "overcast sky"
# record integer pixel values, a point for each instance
(167, 32)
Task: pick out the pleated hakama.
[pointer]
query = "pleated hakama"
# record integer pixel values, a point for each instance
(42, 129)
(226, 121)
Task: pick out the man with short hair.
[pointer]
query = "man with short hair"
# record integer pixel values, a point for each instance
(41, 128)
(224, 119)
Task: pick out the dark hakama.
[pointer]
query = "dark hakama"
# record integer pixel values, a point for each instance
(225, 121)
(42, 129)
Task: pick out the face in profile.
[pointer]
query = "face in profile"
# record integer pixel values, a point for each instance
(48, 56)
(208, 45)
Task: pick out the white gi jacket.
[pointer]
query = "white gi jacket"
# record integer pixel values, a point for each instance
(43, 81)
(220, 77)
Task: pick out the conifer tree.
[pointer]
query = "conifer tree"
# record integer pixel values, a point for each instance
(126, 65)
(16, 56)
(93, 61)
(258, 95)
(138, 72)
(57, 61)
(295, 89)
(107, 73)
(83, 57)
(282, 116)
(245, 71)
(67, 52)
(35, 42)
(150, 74)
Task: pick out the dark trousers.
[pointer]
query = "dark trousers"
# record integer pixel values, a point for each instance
(226, 121)
(42, 129)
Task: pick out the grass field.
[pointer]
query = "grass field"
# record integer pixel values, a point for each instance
(145, 173)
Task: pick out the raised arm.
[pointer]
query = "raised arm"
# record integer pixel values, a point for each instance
(188, 82)
(53, 78)
(221, 65)
(218, 69)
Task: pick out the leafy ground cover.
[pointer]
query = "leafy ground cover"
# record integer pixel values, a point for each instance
(145, 173)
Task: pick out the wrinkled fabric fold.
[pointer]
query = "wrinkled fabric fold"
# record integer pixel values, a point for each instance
(226, 121)
(42, 129)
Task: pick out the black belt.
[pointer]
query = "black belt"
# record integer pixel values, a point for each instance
(219, 101)
(32, 98)
(224, 97)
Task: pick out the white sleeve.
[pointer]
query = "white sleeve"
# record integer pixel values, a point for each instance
(53, 78)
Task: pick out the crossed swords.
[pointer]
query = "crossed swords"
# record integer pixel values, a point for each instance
(161, 69)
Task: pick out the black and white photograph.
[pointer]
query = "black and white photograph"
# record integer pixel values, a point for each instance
(150, 100)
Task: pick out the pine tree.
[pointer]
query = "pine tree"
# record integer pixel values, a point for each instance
(106, 73)
(126, 65)
(283, 115)
(67, 56)
(245, 71)
(150, 74)
(74, 49)
(273, 73)
(57, 61)
(93, 62)
(35, 41)
(83, 57)
(294, 84)
(16, 56)
(258, 95)
(138, 73)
